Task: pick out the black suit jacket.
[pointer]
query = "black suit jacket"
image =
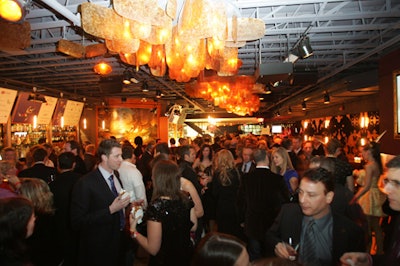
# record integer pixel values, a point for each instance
(189, 173)
(239, 166)
(66, 238)
(264, 194)
(347, 236)
(99, 231)
(39, 170)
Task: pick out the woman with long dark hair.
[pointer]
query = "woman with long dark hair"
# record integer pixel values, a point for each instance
(17, 222)
(170, 218)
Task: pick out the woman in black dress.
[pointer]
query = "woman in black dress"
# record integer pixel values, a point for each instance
(225, 188)
(170, 218)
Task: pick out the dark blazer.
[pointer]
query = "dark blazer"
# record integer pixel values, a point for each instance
(264, 193)
(99, 231)
(189, 173)
(39, 170)
(347, 236)
(240, 165)
(66, 237)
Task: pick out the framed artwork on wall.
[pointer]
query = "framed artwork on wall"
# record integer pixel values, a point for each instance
(396, 85)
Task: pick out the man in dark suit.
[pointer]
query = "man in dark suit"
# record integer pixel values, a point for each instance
(62, 190)
(97, 210)
(391, 255)
(89, 158)
(264, 194)
(323, 236)
(187, 154)
(247, 165)
(39, 169)
(74, 147)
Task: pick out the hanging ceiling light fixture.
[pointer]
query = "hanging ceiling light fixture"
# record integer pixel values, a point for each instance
(327, 98)
(289, 110)
(102, 68)
(200, 35)
(14, 10)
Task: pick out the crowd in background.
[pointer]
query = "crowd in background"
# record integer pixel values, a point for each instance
(203, 193)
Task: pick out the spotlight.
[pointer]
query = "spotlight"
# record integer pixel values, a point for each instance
(145, 87)
(304, 48)
(126, 77)
(14, 10)
(268, 89)
(159, 94)
(303, 105)
(327, 99)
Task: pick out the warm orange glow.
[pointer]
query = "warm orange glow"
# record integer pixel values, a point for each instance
(10, 10)
(84, 123)
(232, 93)
(102, 68)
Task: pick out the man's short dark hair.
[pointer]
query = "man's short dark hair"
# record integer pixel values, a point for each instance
(321, 175)
(74, 145)
(185, 150)
(394, 163)
(39, 154)
(66, 160)
(333, 145)
(287, 143)
(162, 147)
(127, 152)
(106, 146)
(172, 141)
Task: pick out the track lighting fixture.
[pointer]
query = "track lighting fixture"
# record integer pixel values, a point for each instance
(304, 48)
(126, 77)
(268, 89)
(145, 87)
(303, 105)
(159, 94)
(327, 98)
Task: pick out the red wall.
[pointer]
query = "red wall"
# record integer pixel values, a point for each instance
(388, 64)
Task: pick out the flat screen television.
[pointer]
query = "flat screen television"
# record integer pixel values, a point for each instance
(276, 129)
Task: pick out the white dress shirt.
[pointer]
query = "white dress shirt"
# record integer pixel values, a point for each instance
(132, 180)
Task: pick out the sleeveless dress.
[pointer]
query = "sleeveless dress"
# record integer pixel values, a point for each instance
(372, 200)
(176, 246)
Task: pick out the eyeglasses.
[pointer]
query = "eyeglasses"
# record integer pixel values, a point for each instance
(394, 183)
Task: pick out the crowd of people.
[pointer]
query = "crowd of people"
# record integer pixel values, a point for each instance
(231, 201)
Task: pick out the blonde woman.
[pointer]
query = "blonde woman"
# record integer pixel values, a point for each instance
(282, 165)
(225, 190)
(43, 243)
